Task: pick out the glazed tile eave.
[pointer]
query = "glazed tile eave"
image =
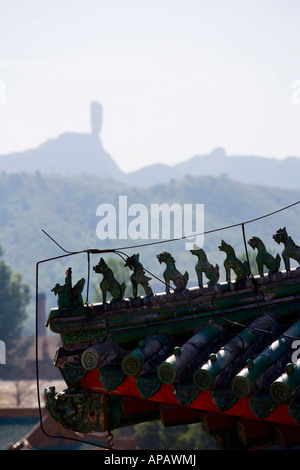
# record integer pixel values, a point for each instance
(226, 348)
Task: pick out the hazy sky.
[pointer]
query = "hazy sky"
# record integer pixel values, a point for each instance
(175, 78)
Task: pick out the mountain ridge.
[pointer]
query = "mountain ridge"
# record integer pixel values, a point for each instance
(75, 154)
(271, 172)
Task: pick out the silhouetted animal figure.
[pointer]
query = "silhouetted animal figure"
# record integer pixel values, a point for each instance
(264, 258)
(109, 283)
(171, 273)
(203, 266)
(138, 277)
(291, 250)
(232, 262)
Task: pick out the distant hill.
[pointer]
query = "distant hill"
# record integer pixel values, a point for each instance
(77, 154)
(151, 175)
(270, 172)
(69, 154)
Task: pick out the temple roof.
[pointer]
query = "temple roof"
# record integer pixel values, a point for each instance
(229, 349)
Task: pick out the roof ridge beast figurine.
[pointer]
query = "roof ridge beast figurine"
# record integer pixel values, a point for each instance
(171, 273)
(69, 296)
(241, 269)
(203, 266)
(291, 250)
(138, 276)
(109, 283)
(263, 257)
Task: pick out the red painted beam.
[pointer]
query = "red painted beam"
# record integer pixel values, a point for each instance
(203, 402)
(131, 406)
(213, 423)
(287, 436)
(174, 415)
(252, 432)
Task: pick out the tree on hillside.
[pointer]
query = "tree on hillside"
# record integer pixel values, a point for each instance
(14, 298)
(153, 435)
